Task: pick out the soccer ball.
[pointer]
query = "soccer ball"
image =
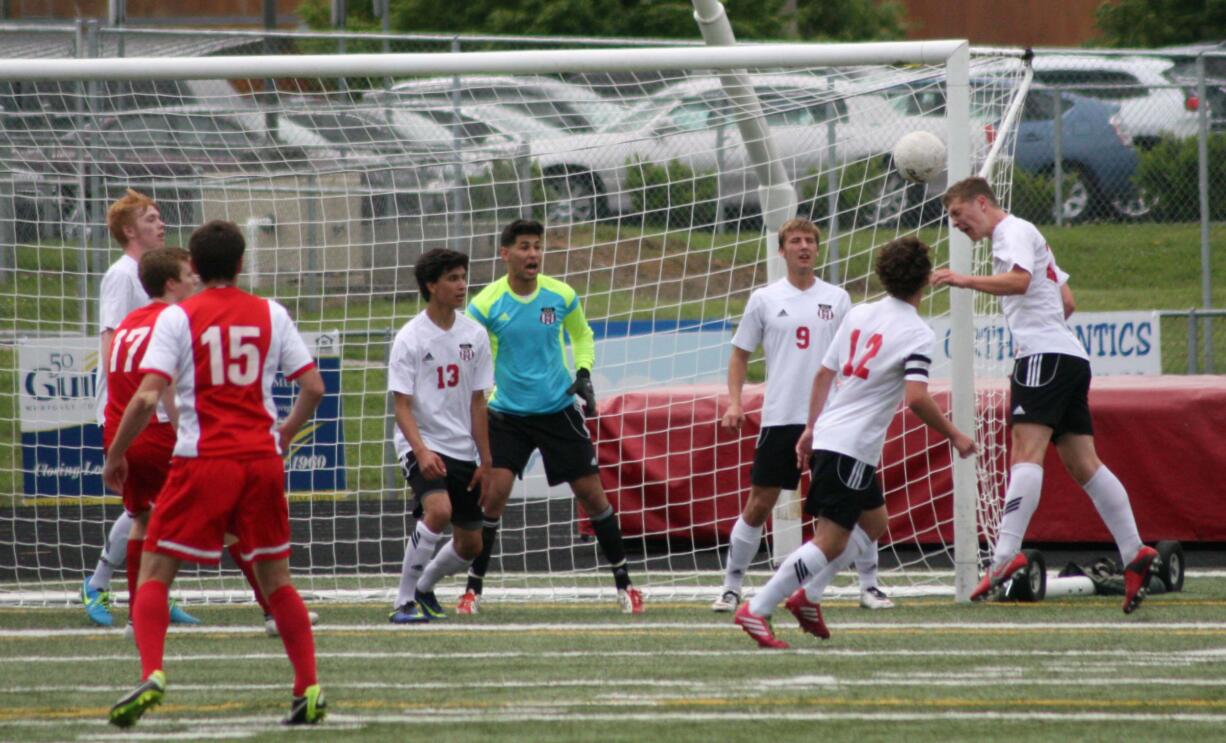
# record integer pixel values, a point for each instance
(919, 156)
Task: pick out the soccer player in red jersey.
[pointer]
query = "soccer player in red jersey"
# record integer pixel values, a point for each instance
(166, 276)
(221, 349)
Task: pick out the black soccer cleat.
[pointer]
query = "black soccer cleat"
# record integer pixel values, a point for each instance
(308, 709)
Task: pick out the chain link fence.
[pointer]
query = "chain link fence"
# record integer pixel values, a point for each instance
(1115, 137)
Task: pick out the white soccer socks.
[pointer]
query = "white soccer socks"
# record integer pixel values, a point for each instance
(1021, 499)
(858, 547)
(114, 553)
(743, 544)
(1111, 500)
(446, 562)
(801, 565)
(417, 553)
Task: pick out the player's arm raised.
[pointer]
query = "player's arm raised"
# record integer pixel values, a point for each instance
(1016, 281)
(135, 418)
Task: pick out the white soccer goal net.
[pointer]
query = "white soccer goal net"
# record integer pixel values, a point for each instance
(343, 170)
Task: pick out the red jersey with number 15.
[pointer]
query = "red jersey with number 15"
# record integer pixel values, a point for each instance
(123, 374)
(223, 347)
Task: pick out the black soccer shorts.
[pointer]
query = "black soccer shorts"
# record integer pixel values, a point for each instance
(562, 437)
(842, 488)
(1051, 389)
(465, 506)
(774, 458)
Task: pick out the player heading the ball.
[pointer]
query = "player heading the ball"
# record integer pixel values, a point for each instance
(1048, 390)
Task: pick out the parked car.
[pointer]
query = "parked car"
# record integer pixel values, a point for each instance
(574, 108)
(694, 123)
(162, 150)
(475, 123)
(1099, 157)
(1152, 102)
(1184, 72)
(40, 113)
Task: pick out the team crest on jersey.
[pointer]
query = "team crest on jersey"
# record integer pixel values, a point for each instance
(466, 352)
(825, 312)
(548, 316)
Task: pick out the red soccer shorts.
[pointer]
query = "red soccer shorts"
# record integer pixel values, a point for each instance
(148, 465)
(206, 498)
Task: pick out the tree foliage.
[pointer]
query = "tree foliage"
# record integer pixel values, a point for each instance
(1151, 23)
(842, 20)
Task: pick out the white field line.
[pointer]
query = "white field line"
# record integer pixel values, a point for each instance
(656, 585)
(742, 685)
(635, 626)
(1111, 658)
(238, 727)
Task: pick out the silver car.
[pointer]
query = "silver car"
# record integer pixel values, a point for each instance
(812, 122)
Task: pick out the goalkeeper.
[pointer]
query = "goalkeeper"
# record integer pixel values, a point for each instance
(533, 405)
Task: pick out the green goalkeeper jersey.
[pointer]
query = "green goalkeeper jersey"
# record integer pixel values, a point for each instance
(528, 343)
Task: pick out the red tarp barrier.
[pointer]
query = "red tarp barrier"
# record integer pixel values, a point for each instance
(671, 471)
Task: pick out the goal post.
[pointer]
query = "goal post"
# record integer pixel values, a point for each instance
(639, 163)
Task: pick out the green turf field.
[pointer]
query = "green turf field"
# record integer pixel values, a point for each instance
(1061, 670)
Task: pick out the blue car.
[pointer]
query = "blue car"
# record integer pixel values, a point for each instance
(1099, 159)
(1098, 155)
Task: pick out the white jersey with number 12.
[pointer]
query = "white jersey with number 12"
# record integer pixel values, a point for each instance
(879, 347)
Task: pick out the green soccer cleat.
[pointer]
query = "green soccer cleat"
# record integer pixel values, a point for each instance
(308, 709)
(97, 605)
(129, 708)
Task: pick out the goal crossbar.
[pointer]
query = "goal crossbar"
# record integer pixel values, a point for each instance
(471, 63)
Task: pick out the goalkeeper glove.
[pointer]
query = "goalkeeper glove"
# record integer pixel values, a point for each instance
(582, 387)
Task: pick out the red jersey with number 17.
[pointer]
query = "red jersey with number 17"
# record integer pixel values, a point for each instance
(223, 347)
(123, 374)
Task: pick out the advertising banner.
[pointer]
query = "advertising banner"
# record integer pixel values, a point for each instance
(61, 444)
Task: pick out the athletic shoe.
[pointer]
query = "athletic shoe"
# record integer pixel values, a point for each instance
(270, 624)
(409, 613)
(97, 605)
(808, 614)
(179, 616)
(1136, 578)
(874, 598)
(470, 603)
(131, 706)
(759, 628)
(631, 600)
(728, 600)
(429, 605)
(308, 709)
(996, 576)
